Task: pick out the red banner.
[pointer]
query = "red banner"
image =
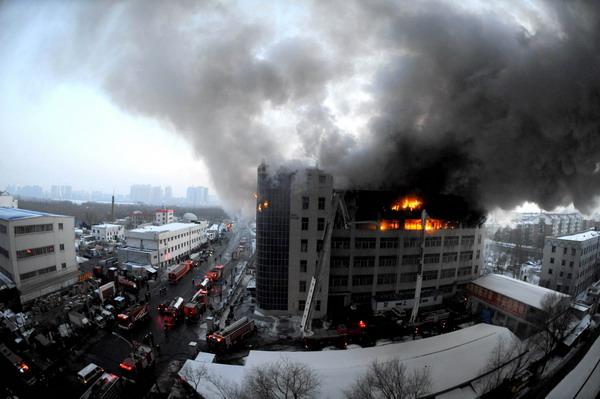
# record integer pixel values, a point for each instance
(498, 300)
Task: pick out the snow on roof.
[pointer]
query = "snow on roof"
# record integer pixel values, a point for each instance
(586, 235)
(470, 348)
(522, 291)
(17, 213)
(106, 225)
(163, 228)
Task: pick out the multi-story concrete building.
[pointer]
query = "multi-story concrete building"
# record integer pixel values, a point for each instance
(108, 232)
(570, 262)
(163, 216)
(535, 227)
(161, 246)
(197, 195)
(37, 251)
(7, 200)
(373, 250)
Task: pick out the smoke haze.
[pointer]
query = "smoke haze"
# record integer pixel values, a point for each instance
(498, 104)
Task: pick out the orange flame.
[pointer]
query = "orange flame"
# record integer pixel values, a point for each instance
(409, 203)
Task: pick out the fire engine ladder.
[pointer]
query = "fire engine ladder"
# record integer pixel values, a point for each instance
(315, 282)
(415, 310)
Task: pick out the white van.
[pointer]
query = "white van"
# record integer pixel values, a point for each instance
(89, 373)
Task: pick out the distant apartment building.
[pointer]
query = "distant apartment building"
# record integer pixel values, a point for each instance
(162, 246)
(26, 191)
(108, 232)
(168, 194)
(141, 193)
(61, 192)
(373, 249)
(535, 227)
(197, 195)
(37, 251)
(570, 264)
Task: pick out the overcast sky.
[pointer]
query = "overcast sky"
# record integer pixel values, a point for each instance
(498, 103)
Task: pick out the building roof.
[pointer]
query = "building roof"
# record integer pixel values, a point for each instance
(163, 228)
(106, 225)
(584, 236)
(17, 213)
(522, 291)
(471, 348)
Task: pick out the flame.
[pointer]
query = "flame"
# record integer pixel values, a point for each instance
(430, 224)
(389, 225)
(255, 196)
(263, 205)
(409, 203)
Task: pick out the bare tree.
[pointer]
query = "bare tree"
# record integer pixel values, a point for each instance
(194, 375)
(508, 358)
(282, 380)
(554, 322)
(390, 380)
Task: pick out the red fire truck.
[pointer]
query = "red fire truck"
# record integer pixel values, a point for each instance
(173, 313)
(221, 341)
(141, 359)
(179, 271)
(132, 315)
(216, 273)
(126, 285)
(196, 306)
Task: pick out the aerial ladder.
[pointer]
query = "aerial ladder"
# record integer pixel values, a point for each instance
(415, 310)
(315, 282)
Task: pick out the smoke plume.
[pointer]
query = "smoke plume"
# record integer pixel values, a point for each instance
(498, 104)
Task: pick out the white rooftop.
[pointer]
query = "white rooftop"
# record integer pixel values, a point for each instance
(529, 294)
(163, 228)
(469, 349)
(106, 225)
(586, 235)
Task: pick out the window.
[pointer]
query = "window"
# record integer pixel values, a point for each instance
(561, 274)
(551, 260)
(387, 261)
(466, 256)
(321, 203)
(39, 272)
(450, 257)
(549, 271)
(4, 252)
(573, 251)
(340, 243)
(431, 258)
(28, 253)
(468, 240)
(302, 286)
(464, 271)
(365, 243)
(386, 278)
(411, 242)
(564, 250)
(562, 262)
(339, 262)
(388, 243)
(448, 273)
(301, 305)
(570, 275)
(408, 277)
(571, 264)
(476, 270)
(338, 281)
(553, 248)
(410, 259)
(64, 265)
(430, 275)
(304, 223)
(321, 224)
(362, 279)
(433, 242)
(303, 266)
(3, 229)
(303, 245)
(36, 228)
(364, 261)
(451, 241)
(305, 202)
(62, 247)
(322, 179)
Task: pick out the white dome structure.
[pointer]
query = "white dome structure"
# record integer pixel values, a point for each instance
(189, 217)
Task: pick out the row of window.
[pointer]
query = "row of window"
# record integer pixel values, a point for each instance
(320, 224)
(390, 278)
(28, 253)
(39, 272)
(34, 228)
(392, 242)
(342, 262)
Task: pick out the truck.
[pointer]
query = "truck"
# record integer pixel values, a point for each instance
(108, 386)
(79, 320)
(215, 274)
(132, 315)
(196, 305)
(126, 285)
(231, 335)
(173, 313)
(141, 359)
(177, 273)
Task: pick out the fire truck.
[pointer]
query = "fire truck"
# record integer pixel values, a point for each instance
(221, 341)
(132, 315)
(140, 360)
(108, 386)
(179, 271)
(173, 313)
(196, 306)
(216, 273)
(126, 285)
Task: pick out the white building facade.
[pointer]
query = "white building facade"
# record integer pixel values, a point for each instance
(8, 200)
(164, 216)
(570, 264)
(162, 246)
(37, 251)
(108, 232)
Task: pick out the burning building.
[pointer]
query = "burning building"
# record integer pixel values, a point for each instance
(378, 242)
